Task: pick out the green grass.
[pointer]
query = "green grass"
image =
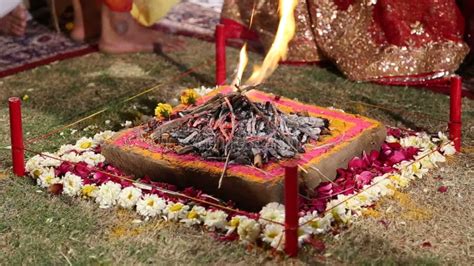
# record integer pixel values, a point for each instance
(37, 228)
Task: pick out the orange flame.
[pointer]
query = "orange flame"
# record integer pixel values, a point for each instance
(279, 48)
(242, 64)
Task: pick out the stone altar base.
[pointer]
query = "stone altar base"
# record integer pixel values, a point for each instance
(249, 187)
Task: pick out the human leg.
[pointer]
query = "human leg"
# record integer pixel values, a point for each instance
(86, 20)
(121, 33)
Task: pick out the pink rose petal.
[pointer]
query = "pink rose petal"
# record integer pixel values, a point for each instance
(443, 189)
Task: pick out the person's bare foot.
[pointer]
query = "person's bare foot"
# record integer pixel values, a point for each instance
(14, 23)
(86, 21)
(122, 34)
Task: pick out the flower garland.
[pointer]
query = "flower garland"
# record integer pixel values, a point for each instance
(73, 171)
(79, 171)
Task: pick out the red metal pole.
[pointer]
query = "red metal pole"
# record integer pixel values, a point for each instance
(291, 210)
(455, 124)
(220, 55)
(16, 133)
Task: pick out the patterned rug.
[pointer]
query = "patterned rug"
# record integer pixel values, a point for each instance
(39, 46)
(193, 18)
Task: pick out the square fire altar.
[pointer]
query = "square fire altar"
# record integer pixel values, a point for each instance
(250, 187)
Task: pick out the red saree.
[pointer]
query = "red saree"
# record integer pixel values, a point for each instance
(368, 39)
(119, 5)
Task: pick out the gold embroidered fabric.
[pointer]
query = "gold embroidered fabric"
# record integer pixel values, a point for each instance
(302, 48)
(343, 36)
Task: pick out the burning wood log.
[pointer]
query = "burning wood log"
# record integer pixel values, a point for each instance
(232, 128)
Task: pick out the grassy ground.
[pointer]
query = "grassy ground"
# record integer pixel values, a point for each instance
(37, 228)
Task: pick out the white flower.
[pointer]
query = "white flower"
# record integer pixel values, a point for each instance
(384, 185)
(195, 216)
(92, 158)
(103, 136)
(72, 157)
(421, 140)
(400, 180)
(234, 223)
(339, 212)
(129, 196)
(66, 149)
(311, 223)
(437, 157)
(89, 191)
(248, 230)
(410, 141)
(33, 166)
(108, 194)
(353, 203)
(272, 211)
(411, 169)
(72, 184)
(391, 139)
(90, 127)
(176, 211)
(151, 205)
(203, 90)
(126, 124)
(442, 138)
(48, 178)
(84, 144)
(46, 159)
(381, 186)
(302, 236)
(448, 149)
(372, 3)
(33, 163)
(273, 235)
(215, 220)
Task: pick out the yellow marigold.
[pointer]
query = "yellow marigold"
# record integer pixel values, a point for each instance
(163, 110)
(189, 97)
(69, 26)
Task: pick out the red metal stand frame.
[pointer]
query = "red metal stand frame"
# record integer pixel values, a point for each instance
(16, 134)
(455, 110)
(225, 31)
(291, 172)
(291, 210)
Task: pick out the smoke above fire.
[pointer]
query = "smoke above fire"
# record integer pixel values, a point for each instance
(278, 50)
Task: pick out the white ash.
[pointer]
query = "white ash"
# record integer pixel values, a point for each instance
(233, 126)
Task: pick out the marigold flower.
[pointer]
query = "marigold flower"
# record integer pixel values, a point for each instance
(69, 26)
(189, 97)
(163, 110)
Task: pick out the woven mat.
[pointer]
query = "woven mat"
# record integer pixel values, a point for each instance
(39, 46)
